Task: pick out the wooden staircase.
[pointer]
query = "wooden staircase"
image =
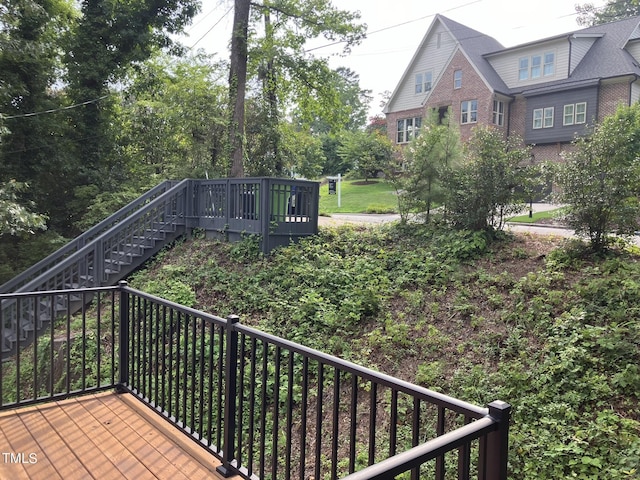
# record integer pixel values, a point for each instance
(101, 257)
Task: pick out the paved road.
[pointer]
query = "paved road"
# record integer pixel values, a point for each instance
(372, 219)
(342, 218)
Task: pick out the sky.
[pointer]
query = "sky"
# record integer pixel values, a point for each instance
(396, 28)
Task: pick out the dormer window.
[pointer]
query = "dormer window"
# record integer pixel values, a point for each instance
(536, 66)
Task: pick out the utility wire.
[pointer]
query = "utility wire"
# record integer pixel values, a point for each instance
(396, 25)
(214, 26)
(33, 114)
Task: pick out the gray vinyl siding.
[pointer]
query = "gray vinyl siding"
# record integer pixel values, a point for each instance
(433, 56)
(635, 92)
(560, 133)
(579, 49)
(634, 49)
(507, 64)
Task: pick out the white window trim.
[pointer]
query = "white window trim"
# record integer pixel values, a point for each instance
(457, 79)
(408, 132)
(542, 115)
(526, 67)
(577, 118)
(472, 115)
(498, 113)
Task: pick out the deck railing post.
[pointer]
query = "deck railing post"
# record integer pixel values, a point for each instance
(124, 336)
(230, 395)
(497, 443)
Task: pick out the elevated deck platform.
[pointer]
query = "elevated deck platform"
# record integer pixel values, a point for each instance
(101, 436)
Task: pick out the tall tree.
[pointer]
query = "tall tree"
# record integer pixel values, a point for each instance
(589, 14)
(288, 73)
(111, 35)
(238, 85)
(33, 148)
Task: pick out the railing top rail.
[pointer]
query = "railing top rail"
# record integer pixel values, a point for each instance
(73, 245)
(454, 404)
(256, 180)
(33, 284)
(175, 306)
(4, 296)
(422, 453)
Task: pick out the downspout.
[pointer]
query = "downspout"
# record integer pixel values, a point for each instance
(570, 54)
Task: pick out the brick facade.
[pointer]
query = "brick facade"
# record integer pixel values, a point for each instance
(612, 95)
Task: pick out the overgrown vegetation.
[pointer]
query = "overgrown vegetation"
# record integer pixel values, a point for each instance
(547, 327)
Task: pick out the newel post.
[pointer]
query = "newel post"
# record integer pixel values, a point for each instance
(230, 395)
(497, 444)
(123, 346)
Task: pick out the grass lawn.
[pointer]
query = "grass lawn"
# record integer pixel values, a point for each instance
(538, 216)
(375, 197)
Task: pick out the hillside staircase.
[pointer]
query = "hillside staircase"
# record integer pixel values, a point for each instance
(117, 246)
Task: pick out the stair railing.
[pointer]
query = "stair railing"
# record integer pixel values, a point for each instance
(97, 262)
(77, 243)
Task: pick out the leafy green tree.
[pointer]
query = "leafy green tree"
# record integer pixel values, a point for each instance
(302, 151)
(351, 112)
(485, 189)
(369, 153)
(110, 37)
(590, 14)
(34, 147)
(428, 157)
(15, 216)
(600, 180)
(292, 78)
(171, 124)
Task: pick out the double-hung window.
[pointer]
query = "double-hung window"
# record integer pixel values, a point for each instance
(536, 66)
(574, 114)
(543, 118)
(407, 129)
(423, 82)
(457, 79)
(498, 113)
(549, 64)
(418, 83)
(523, 71)
(469, 111)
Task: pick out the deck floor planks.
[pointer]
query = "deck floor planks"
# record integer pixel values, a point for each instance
(102, 436)
(82, 443)
(171, 450)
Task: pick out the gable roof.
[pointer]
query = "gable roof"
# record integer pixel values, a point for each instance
(472, 43)
(607, 57)
(475, 45)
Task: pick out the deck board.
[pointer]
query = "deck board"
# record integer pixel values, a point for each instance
(104, 436)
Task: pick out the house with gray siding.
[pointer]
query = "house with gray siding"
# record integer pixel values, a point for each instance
(546, 92)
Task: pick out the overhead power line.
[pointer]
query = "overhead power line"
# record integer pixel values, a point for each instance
(54, 110)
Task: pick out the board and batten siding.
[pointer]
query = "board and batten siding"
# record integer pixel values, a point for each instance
(559, 132)
(433, 56)
(507, 64)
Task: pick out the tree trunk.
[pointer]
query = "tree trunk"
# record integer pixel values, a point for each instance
(237, 85)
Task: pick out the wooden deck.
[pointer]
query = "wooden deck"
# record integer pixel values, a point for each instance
(102, 436)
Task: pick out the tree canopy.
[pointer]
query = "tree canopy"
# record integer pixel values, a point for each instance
(589, 14)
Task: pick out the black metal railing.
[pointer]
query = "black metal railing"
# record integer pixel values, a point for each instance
(277, 210)
(266, 407)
